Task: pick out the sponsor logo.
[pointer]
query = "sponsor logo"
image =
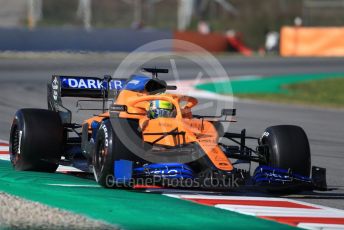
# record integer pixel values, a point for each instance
(118, 108)
(19, 141)
(171, 172)
(106, 134)
(55, 87)
(164, 124)
(80, 83)
(90, 83)
(55, 84)
(116, 84)
(265, 134)
(134, 82)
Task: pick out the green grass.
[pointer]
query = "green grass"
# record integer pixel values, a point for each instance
(327, 93)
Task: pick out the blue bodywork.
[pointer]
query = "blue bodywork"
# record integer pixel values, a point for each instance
(265, 175)
(124, 170)
(137, 83)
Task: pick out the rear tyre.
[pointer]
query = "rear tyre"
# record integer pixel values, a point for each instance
(36, 140)
(288, 148)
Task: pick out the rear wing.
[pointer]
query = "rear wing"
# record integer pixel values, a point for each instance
(91, 87)
(77, 86)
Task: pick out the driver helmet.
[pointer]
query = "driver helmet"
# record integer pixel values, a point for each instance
(160, 108)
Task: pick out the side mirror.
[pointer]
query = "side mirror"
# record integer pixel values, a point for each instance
(228, 112)
(171, 87)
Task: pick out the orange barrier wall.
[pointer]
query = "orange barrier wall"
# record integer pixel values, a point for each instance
(211, 42)
(312, 41)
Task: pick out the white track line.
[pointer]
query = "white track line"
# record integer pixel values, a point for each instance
(3, 151)
(5, 157)
(4, 148)
(63, 168)
(276, 211)
(77, 185)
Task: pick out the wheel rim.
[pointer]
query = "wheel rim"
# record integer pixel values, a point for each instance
(15, 146)
(100, 156)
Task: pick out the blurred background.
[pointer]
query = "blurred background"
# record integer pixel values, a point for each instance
(249, 27)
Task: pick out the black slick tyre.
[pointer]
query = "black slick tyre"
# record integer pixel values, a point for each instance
(36, 140)
(288, 148)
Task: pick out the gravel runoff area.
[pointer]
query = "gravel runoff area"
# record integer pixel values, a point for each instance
(17, 213)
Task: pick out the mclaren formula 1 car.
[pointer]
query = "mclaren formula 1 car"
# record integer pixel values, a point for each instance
(124, 146)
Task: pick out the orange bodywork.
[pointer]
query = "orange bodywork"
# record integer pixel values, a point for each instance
(196, 130)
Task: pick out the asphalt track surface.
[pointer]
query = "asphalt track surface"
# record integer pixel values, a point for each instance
(23, 84)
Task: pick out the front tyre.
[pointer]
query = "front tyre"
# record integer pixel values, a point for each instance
(104, 155)
(109, 148)
(288, 148)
